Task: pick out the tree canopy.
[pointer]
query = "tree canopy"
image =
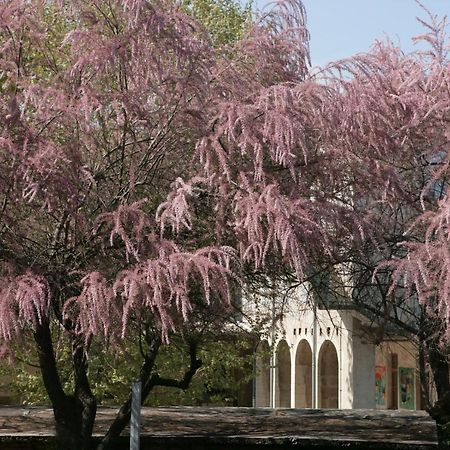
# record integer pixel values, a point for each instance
(147, 171)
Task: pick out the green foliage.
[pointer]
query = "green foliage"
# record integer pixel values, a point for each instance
(48, 57)
(227, 369)
(226, 20)
(24, 378)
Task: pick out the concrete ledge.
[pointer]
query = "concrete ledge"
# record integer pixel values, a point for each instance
(188, 428)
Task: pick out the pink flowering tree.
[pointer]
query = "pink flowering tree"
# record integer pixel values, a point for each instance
(390, 126)
(147, 170)
(142, 167)
(101, 106)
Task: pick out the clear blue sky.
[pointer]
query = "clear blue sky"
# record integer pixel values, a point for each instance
(341, 28)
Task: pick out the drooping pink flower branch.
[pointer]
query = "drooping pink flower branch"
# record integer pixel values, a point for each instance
(163, 286)
(24, 303)
(95, 311)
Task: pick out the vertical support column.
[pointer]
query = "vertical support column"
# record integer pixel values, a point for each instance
(273, 379)
(340, 367)
(315, 372)
(255, 369)
(293, 379)
(135, 421)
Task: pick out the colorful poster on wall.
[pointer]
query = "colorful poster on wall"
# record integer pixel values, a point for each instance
(406, 387)
(380, 385)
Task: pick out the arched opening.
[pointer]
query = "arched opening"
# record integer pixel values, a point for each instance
(283, 391)
(328, 376)
(262, 381)
(303, 375)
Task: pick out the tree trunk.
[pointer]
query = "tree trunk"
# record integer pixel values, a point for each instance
(84, 397)
(149, 381)
(440, 412)
(74, 414)
(120, 422)
(424, 375)
(123, 416)
(70, 421)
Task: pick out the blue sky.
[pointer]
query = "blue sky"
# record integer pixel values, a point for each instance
(341, 28)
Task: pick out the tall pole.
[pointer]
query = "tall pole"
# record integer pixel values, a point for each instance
(135, 423)
(272, 373)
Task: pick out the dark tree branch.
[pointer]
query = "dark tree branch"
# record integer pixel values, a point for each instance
(124, 414)
(83, 392)
(149, 381)
(184, 382)
(47, 362)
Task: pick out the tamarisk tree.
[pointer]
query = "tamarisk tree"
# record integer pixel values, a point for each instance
(396, 119)
(389, 124)
(147, 169)
(142, 165)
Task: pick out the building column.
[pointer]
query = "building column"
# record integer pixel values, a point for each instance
(273, 379)
(340, 377)
(293, 361)
(315, 372)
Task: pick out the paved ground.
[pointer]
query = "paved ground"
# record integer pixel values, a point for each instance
(247, 423)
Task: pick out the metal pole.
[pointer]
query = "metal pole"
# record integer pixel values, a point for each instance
(136, 388)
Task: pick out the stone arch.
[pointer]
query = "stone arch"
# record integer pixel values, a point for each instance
(303, 375)
(283, 370)
(262, 381)
(328, 376)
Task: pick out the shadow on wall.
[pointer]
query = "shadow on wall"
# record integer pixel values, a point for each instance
(262, 381)
(328, 376)
(303, 375)
(283, 376)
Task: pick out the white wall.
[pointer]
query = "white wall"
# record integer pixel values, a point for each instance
(299, 324)
(357, 356)
(363, 369)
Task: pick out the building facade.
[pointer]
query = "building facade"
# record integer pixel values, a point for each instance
(322, 358)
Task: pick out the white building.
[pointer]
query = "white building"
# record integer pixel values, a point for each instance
(319, 358)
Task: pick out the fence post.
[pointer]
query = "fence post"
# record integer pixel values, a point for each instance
(135, 422)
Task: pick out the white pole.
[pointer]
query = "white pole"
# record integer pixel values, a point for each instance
(136, 388)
